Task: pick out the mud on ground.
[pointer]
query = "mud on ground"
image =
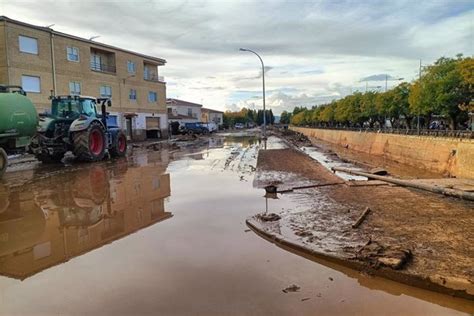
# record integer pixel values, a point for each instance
(416, 233)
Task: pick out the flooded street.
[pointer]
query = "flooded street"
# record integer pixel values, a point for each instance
(164, 233)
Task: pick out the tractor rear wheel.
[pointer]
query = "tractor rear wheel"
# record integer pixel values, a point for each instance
(119, 147)
(3, 161)
(89, 144)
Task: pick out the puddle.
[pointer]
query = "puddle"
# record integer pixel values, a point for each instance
(165, 233)
(329, 161)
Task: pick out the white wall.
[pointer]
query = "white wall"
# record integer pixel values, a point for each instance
(139, 121)
(183, 110)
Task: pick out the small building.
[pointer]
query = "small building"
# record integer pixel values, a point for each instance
(183, 111)
(210, 115)
(46, 62)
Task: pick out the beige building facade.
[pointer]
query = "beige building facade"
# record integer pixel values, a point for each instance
(46, 62)
(210, 115)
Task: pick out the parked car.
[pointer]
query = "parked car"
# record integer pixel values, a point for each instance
(194, 128)
(239, 125)
(211, 127)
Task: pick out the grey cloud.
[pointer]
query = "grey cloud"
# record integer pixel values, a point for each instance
(380, 77)
(200, 39)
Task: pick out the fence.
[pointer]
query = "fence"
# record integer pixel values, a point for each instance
(467, 134)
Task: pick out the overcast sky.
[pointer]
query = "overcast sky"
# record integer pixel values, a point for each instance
(314, 51)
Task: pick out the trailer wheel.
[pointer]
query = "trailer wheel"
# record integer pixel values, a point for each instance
(89, 144)
(119, 147)
(3, 161)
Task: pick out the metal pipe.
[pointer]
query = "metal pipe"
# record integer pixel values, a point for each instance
(6, 53)
(432, 188)
(53, 63)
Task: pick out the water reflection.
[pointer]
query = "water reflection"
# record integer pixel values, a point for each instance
(63, 216)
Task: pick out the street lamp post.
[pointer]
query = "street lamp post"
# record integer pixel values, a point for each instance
(263, 81)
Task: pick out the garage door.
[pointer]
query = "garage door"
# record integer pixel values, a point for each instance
(152, 123)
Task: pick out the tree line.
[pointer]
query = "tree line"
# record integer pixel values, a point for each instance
(247, 117)
(443, 92)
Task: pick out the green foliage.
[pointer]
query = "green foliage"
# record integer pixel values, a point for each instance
(285, 117)
(444, 89)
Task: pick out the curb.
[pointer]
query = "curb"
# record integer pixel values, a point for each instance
(398, 276)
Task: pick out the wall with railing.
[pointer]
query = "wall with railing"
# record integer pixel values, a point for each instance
(448, 155)
(465, 134)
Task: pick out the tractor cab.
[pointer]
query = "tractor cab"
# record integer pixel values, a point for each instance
(72, 107)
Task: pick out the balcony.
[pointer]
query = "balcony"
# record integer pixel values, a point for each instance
(153, 77)
(102, 61)
(95, 66)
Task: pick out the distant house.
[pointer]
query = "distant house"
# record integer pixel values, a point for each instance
(210, 115)
(183, 111)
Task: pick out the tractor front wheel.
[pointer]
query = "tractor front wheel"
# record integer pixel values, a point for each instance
(119, 147)
(89, 144)
(3, 161)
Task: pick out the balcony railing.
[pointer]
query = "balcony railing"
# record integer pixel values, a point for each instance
(102, 67)
(154, 78)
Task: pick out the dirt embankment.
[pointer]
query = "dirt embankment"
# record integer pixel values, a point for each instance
(415, 237)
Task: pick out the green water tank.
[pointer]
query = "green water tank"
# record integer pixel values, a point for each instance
(18, 116)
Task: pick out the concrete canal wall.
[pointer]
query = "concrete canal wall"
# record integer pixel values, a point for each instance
(438, 154)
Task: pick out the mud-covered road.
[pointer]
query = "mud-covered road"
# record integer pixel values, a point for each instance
(163, 232)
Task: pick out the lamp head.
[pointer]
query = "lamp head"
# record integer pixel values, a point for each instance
(242, 49)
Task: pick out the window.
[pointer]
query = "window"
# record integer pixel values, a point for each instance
(131, 67)
(133, 94)
(72, 53)
(106, 91)
(146, 73)
(88, 107)
(74, 88)
(28, 45)
(96, 62)
(31, 83)
(190, 112)
(152, 96)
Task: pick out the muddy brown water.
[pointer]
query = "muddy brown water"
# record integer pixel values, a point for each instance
(164, 233)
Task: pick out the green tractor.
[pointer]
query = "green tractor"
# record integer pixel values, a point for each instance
(18, 122)
(75, 125)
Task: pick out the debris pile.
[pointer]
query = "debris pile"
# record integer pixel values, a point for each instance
(378, 255)
(297, 139)
(291, 288)
(271, 217)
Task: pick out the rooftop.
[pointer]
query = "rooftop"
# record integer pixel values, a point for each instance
(178, 102)
(211, 110)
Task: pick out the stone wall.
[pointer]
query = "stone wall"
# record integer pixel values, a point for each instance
(448, 156)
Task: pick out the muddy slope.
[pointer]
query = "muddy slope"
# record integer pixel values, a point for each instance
(415, 233)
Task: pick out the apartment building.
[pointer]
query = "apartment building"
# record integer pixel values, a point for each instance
(210, 115)
(183, 111)
(46, 62)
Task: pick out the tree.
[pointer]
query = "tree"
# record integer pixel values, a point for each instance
(285, 117)
(368, 109)
(443, 89)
